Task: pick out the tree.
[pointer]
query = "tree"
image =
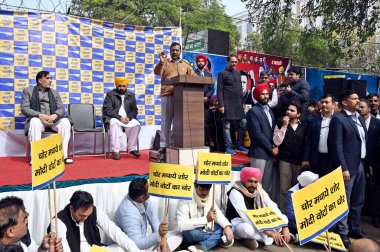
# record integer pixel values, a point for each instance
(304, 47)
(345, 24)
(196, 15)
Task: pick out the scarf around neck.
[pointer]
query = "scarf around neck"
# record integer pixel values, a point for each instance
(257, 195)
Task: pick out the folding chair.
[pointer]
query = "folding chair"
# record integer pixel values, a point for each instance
(84, 119)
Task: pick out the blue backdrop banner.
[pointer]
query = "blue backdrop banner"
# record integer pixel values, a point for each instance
(84, 57)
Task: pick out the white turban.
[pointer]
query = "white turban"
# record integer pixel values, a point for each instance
(306, 178)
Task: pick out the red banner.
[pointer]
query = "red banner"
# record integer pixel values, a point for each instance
(255, 63)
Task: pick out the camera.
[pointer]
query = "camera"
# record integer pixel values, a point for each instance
(284, 85)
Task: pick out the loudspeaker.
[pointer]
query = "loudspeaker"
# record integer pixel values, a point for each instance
(218, 42)
(359, 86)
(336, 86)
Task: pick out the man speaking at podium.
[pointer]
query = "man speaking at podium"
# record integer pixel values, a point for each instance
(169, 68)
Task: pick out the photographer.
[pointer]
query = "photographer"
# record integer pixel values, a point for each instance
(296, 90)
(273, 96)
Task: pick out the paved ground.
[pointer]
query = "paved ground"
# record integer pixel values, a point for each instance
(370, 230)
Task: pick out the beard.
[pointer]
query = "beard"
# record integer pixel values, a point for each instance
(263, 102)
(121, 91)
(200, 66)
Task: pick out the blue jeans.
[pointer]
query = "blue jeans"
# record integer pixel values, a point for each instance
(227, 132)
(355, 190)
(209, 240)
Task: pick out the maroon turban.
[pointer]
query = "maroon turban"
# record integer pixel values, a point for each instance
(259, 89)
(249, 172)
(201, 56)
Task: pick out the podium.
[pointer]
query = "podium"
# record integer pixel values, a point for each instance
(188, 122)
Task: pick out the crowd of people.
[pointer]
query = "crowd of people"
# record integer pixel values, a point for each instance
(302, 139)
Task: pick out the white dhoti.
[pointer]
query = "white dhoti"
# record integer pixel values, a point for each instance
(246, 230)
(36, 127)
(132, 130)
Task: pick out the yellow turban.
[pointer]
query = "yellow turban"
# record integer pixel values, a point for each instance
(121, 81)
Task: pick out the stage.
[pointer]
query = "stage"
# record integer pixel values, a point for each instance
(16, 171)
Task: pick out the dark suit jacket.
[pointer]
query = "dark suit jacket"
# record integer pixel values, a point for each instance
(374, 142)
(312, 140)
(344, 143)
(208, 89)
(260, 132)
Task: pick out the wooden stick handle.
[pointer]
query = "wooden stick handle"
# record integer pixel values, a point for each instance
(55, 209)
(286, 244)
(50, 209)
(165, 220)
(328, 241)
(213, 206)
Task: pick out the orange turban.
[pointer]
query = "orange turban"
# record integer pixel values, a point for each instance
(259, 90)
(121, 81)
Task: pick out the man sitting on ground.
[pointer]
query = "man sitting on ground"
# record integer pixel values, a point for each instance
(14, 228)
(304, 179)
(247, 194)
(134, 214)
(79, 223)
(195, 218)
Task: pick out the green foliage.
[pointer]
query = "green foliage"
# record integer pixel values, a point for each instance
(304, 47)
(345, 26)
(197, 15)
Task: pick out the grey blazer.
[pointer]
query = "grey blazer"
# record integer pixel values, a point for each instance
(30, 113)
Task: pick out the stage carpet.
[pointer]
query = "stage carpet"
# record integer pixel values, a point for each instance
(15, 171)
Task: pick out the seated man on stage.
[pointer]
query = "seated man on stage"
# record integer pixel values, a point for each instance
(79, 223)
(195, 219)
(245, 194)
(14, 228)
(134, 214)
(120, 110)
(43, 108)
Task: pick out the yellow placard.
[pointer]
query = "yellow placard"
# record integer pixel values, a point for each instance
(95, 248)
(265, 219)
(213, 168)
(335, 241)
(320, 205)
(47, 161)
(171, 181)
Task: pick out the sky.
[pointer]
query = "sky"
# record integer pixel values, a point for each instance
(233, 6)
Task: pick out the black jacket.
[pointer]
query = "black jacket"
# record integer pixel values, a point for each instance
(230, 94)
(112, 104)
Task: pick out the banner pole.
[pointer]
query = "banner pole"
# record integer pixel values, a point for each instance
(50, 210)
(165, 220)
(328, 241)
(55, 209)
(213, 206)
(326, 248)
(286, 244)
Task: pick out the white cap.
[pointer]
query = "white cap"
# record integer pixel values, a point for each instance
(307, 177)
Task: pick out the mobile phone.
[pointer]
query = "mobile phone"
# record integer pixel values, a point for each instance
(224, 239)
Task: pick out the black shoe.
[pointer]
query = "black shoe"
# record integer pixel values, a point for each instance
(357, 235)
(161, 150)
(346, 241)
(135, 153)
(115, 155)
